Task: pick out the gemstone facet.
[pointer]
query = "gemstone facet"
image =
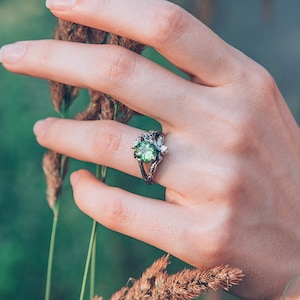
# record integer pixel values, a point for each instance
(145, 151)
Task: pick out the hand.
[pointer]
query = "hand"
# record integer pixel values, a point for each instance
(232, 171)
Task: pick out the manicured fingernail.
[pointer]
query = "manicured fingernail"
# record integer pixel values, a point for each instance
(40, 127)
(13, 53)
(59, 4)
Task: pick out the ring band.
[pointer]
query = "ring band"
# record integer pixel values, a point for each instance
(149, 150)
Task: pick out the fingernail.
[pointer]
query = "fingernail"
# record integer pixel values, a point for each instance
(13, 53)
(40, 127)
(74, 178)
(59, 4)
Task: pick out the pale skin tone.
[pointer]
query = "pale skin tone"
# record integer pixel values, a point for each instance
(232, 171)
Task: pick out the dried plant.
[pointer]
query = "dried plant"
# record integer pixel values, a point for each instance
(101, 106)
(54, 164)
(127, 43)
(96, 36)
(155, 283)
(63, 95)
(55, 168)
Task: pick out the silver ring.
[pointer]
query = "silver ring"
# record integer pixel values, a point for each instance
(149, 150)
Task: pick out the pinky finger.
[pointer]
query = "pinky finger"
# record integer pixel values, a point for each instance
(152, 221)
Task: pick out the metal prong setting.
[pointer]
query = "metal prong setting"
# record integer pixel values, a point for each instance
(149, 149)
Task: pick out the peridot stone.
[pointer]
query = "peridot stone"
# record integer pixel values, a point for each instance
(145, 151)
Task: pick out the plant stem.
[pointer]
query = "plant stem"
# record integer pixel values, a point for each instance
(88, 259)
(93, 269)
(101, 172)
(51, 251)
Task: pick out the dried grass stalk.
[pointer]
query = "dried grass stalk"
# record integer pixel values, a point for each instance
(127, 43)
(63, 95)
(101, 106)
(54, 167)
(69, 31)
(92, 112)
(155, 283)
(95, 36)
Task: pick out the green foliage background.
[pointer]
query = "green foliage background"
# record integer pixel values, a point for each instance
(25, 219)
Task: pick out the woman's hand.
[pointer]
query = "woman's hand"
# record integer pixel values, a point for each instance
(232, 171)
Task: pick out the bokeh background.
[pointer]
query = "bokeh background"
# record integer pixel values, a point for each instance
(266, 30)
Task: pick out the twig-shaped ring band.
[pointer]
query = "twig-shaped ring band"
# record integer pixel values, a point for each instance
(149, 150)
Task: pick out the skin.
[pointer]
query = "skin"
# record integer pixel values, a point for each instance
(232, 171)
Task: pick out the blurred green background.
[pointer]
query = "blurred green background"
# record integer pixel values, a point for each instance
(268, 31)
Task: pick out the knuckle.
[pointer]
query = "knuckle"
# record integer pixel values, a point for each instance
(268, 89)
(214, 249)
(106, 141)
(170, 23)
(219, 243)
(239, 134)
(229, 185)
(44, 56)
(263, 80)
(121, 66)
(217, 238)
(263, 86)
(117, 215)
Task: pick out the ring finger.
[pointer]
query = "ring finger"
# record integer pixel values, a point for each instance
(102, 142)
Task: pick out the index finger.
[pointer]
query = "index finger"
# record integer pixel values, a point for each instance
(180, 37)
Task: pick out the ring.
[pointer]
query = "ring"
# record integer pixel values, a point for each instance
(149, 150)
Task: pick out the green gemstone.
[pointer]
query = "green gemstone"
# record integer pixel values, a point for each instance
(145, 151)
